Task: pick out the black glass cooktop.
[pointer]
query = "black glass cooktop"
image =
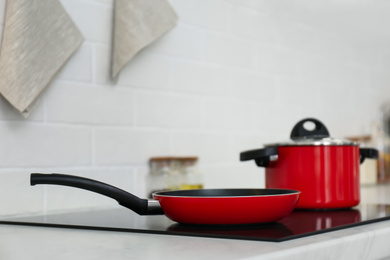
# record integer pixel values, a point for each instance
(298, 224)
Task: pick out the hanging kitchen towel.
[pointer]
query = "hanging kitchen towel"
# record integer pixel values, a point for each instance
(38, 39)
(138, 23)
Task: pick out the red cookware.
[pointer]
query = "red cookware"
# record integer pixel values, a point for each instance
(206, 206)
(324, 169)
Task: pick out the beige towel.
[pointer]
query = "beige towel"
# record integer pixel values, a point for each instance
(38, 38)
(138, 23)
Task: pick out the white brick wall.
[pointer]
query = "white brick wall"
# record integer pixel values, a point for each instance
(125, 146)
(233, 75)
(36, 144)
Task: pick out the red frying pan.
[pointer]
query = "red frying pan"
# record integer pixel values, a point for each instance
(206, 206)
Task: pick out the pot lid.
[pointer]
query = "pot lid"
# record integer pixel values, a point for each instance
(315, 135)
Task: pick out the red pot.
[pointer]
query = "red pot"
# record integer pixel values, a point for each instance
(324, 169)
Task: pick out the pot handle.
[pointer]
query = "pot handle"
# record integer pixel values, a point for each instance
(368, 153)
(263, 157)
(128, 200)
(299, 131)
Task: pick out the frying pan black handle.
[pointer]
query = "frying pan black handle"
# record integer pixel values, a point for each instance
(368, 153)
(262, 157)
(128, 200)
(299, 131)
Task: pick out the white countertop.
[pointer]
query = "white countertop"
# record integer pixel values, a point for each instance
(363, 242)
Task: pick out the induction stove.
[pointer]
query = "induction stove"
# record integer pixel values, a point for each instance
(298, 224)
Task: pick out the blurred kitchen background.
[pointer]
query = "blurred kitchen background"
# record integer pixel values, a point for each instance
(231, 76)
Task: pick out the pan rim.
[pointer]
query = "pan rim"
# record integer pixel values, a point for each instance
(287, 192)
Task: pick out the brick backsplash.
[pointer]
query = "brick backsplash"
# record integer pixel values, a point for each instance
(157, 68)
(231, 76)
(36, 144)
(79, 103)
(127, 146)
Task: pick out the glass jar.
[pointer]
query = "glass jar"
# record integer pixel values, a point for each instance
(381, 139)
(173, 173)
(192, 178)
(369, 168)
(159, 168)
(174, 179)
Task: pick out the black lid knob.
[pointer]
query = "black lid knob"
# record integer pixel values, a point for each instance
(300, 132)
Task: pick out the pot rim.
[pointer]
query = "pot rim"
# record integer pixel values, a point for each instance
(328, 141)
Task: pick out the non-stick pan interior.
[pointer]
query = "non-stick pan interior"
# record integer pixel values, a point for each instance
(226, 192)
